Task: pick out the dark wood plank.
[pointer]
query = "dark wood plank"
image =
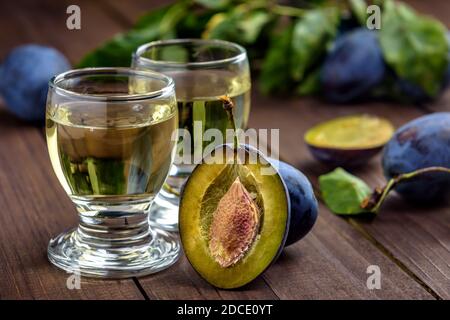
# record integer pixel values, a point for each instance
(34, 205)
(410, 253)
(418, 238)
(331, 263)
(442, 103)
(182, 282)
(35, 208)
(44, 22)
(436, 8)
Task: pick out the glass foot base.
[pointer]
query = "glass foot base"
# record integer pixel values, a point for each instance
(164, 212)
(69, 252)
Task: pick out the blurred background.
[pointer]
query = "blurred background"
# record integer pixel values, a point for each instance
(297, 48)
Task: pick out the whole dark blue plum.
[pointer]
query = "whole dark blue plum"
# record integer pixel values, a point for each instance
(304, 207)
(353, 67)
(423, 142)
(24, 77)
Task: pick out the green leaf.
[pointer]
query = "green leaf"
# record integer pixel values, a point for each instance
(414, 46)
(193, 24)
(342, 192)
(252, 25)
(311, 83)
(311, 37)
(214, 4)
(359, 10)
(172, 17)
(118, 50)
(151, 18)
(223, 26)
(275, 75)
(240, 25)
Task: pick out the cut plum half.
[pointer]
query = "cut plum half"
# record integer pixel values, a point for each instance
(350, 140)
(234, 216)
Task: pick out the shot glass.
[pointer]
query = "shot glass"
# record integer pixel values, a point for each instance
(109, 139)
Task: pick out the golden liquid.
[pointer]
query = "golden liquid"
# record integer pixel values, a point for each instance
(112, 153)
(198, 100)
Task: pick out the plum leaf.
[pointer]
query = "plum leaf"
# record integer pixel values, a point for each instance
(343, 192)
(240, 25)
(252, 25)
(310, 84)
(214, 4)
(414, 46)
(310, 39)
(275, 75)
(359, 8)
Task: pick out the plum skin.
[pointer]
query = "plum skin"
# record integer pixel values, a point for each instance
(347, 158)
(24, 77)
(354, 66)
(421, 143)
(304, 206)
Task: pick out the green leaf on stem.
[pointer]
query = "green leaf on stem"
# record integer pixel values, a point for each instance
(171, 18)
(310, 39)
(241, 25)
(414, 46)
(252, 24)
(310, 84)
(213, 4)
(359, 10)
(346, 194)
(343, 192)
(275, 75)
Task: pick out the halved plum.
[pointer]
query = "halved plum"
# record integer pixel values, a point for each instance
(234, 216)
(348, 141)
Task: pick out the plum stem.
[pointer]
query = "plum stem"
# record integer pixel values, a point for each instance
(374, 201)
(171, 190)
(228, 105)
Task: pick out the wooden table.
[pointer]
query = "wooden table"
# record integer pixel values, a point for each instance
(410, 245)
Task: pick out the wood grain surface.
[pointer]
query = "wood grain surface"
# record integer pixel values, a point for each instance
(410, 245)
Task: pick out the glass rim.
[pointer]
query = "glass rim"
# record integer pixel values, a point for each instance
(124, 71)
(240, 55)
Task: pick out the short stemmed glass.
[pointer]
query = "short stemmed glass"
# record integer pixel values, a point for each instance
(203, 71)
(109, 138)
